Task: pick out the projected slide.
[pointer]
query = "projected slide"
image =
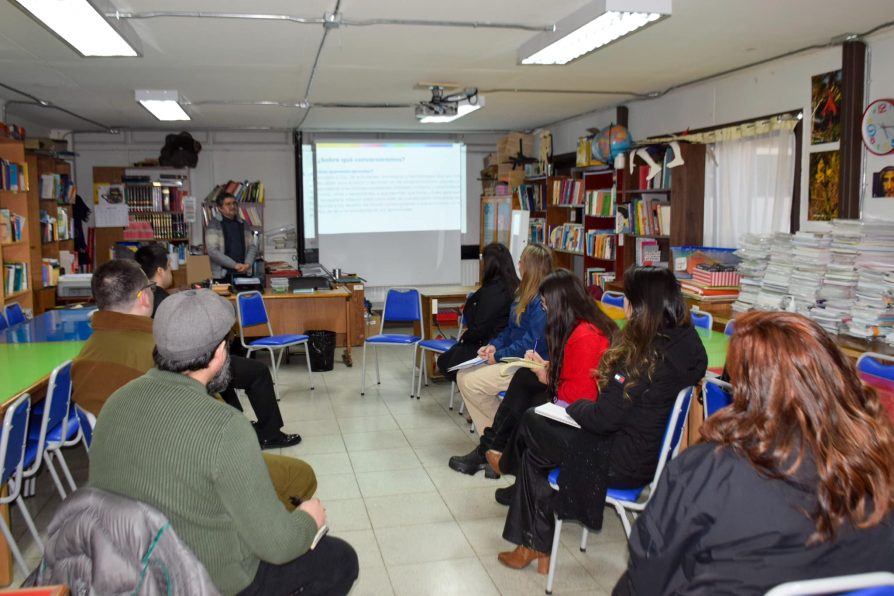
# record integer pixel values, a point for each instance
(389, 187)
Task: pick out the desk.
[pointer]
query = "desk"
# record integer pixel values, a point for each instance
(334, 310)
(64, 325)
(26, 367)
(430, 294)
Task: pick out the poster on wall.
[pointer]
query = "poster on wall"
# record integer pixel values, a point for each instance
(110, 209)
(825, 95)
(825, 167)
(883, 183)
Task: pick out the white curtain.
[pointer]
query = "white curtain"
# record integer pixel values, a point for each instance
(748, 187)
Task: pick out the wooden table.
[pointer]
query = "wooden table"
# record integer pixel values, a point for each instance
(433, 298)
(332, 310)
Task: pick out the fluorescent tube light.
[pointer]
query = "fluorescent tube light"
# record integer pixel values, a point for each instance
(164, 105)
(81, 25)
(463, 107)
(594, 26)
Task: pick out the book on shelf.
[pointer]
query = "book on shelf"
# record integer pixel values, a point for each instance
(537, 226)
(164, 226)
(13, 176)
(12, 226)
(531, 197)
(15, 277)
(601, 244)
(567, 237)
(649, 215)
(568, 192)
(245, 191)
(598, 276)
(144, 195)
(660, 181)
(63, 224)
(50, 270)
(48, 232)
(57, 187)
(600, 203)
(705, 293)
(648, 253)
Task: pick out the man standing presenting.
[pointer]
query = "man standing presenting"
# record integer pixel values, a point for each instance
(228, 240)
(161, 440)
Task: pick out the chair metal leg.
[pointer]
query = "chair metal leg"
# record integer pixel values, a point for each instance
(415, 351)
(65, 471)
(583, 539)
(274, 369)
(419, 383)
(471, 427)
(29, 521)
(452, 391)
(310, 378)
(462, 407)
(48, 457)
(363, 372)
(376, 354)
(553, 556)
(16, 553)
(624, 521)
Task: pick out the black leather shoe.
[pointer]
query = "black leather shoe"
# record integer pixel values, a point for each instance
(279, 440)
(469, 463)
(504, 495)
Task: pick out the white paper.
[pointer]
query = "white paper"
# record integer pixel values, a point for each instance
(467, 364)
(557, 413)
(109, 207)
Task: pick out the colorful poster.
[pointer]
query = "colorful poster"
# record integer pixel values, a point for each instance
(825, 94)
(110, 209)
(825, 168)
(883, 183)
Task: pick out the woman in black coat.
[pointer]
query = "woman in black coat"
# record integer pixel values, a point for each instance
(657, 354)
(487, 310)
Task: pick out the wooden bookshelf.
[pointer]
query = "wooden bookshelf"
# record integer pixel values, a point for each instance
(596, 180)
(20, 250)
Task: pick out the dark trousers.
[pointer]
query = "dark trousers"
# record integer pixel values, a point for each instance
(254, 378)
(456, 355)
(328, 570)
(524, 392)
(540, 445)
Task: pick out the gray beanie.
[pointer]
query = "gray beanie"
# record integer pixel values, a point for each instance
(191, 324)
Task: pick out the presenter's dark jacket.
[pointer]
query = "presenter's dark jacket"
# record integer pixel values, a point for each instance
(717, 526)
(486, 313)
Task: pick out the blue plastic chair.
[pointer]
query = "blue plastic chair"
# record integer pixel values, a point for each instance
(14, 314)
(876, 365)
(87, 422)
(251, 311)
(702, 319)
(3, 323)
(716, 394)
(403, 305)
(628, 500)
(438, 346)
(52, 424)
(613, 298)
(12, 452)
(880, 583)
(730, 328)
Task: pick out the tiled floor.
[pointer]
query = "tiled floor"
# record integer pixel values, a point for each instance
(381, 462)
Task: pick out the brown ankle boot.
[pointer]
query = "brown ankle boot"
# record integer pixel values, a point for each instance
(493, 458)
(522, 556)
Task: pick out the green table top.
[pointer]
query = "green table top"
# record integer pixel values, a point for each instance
(24, 365)
(715, 344)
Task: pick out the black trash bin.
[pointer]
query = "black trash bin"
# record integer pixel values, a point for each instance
(321, 345)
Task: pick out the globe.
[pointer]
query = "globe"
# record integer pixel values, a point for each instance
(611, 142)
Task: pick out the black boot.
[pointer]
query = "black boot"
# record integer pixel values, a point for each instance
(470, 463)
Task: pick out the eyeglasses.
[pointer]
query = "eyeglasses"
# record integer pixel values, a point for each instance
(151, 285)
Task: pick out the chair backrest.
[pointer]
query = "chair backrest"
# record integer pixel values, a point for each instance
(877, 583)
(613, 298)
(717, 394)
(702, 319)
(55, 409)
(87, 422)
(12, 443)
(250, 311)
(730, 327)
(877, 365)
(673, 433)
(402, 305)
(3, 323)
(14, 314)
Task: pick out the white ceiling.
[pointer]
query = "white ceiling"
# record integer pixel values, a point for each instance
(211, 60)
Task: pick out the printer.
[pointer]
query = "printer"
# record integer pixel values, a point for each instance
(75, 285)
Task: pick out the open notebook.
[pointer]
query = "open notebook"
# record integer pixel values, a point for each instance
(557, 413)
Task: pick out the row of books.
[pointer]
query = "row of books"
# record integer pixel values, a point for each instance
(537, 226)
(49, 272)
(165, 226)
(12, 131)
(649, 253)
(13, 176)
(245, 191)
(600, 203)
(601, 244)
(568, 191)
(12, 226)
(531, 197)
(252, 213)
(662, 180)
(58, 187)
(567, 237)
(55, 228)
(598, 276)
(647, 216)
(15, 277)
(146, 197)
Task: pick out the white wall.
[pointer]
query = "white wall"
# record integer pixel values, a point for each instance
(771, 88)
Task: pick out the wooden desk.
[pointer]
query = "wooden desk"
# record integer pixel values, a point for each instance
(333, 310)
(443, 294)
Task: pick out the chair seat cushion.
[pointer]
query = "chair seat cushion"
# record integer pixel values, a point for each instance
(553, 478)
(396, 339)
(279, 340)
(53, 434)
(437, 345)
(625, 494)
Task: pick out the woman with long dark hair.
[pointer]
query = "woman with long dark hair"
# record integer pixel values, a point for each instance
(525, 331)
(486, 312)
(795, 479)
(657, 354)
(578, 333)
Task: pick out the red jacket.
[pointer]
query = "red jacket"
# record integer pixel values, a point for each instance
(583, 352)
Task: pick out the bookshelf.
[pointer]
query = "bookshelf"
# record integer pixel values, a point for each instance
(16, 242)
(250, 197)
(603, 254)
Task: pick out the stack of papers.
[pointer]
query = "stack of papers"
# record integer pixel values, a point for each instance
(811, 255)
(872, 313)
(754, 252)
(777, 276)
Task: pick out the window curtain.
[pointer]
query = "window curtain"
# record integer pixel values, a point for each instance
(748, 187)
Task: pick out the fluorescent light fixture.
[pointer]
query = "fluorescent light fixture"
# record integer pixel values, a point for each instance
(82, 25)
(463, 107)
(596, 25)
(164, 105)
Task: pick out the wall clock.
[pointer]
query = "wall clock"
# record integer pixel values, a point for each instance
(878, 126)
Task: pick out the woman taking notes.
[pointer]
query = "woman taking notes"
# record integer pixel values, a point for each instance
(795, 479)
(657, 354)
(526, 329)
